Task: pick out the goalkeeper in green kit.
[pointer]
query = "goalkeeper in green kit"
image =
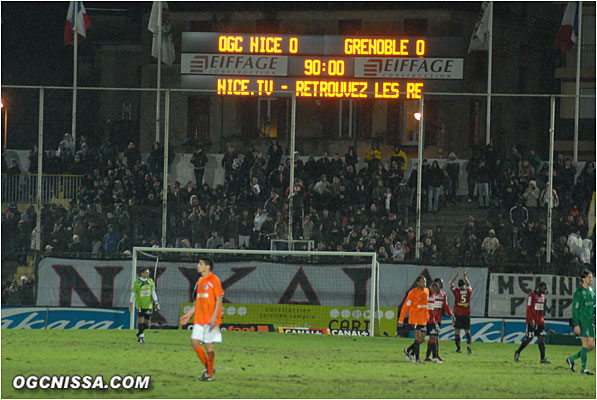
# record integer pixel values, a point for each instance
(144, 294)
(583, 319)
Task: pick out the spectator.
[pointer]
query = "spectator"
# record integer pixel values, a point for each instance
(274, 154)
(483, 183)
(586, 255)
(351, 158)
(526, 173)
(435, 179)
(534, 160)
(132, 155)
(399, 156)
(473, 170)
(544, 198)
(575, 243)
(227, 162)
(453, 172)
(373, 156)
(519, 216)
(111, 239)
(199, 161)
(531, 197)
(215, 241)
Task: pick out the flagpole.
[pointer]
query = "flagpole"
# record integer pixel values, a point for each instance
(577, 92)
(489, 70)
(75, 64)
(159, 83)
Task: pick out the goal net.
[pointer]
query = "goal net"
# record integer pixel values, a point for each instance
(313, 292)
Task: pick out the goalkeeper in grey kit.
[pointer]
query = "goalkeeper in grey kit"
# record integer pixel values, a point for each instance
(144, 294)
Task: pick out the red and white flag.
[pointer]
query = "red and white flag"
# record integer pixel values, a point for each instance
(568, 33)
(76, 12)
(167, 54)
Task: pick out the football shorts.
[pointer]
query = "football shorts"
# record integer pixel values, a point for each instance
(417, 327)
(433, 329)
(537, 330)
(462, 322)
(587, 329)
(206, 334)
(144, 313)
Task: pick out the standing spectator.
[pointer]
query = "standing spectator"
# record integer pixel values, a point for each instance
(199, 160)
(244, 230)
(336, 165)
(400, 157)
(277, 180)
(575, 243)
(526, 173)
(215, 241)
(227, 162)
(534, 160)
(472, 168)
(132, 155)
(373, 156)
(544, 198)
(435, 179)
(453, 171)
(351, 158)
(111, 239)
(567, 175)
(274, 153)
(519, 216)
(531, 197)
(483, 180)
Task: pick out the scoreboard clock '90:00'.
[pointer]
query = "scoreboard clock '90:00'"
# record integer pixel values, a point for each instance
(330, 66)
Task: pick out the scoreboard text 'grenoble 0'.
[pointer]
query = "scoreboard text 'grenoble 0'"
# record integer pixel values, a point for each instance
(329, 66)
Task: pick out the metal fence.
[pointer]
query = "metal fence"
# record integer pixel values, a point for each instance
(55, 188)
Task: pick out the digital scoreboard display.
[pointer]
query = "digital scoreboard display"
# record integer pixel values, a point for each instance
(316, 66)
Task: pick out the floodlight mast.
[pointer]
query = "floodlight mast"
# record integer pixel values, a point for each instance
(373, 306)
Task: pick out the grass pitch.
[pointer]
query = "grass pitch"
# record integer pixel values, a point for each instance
(273, 365)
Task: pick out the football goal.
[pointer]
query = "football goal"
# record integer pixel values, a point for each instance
(313, 292)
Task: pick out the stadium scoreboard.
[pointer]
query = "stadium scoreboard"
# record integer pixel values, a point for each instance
(329, 66)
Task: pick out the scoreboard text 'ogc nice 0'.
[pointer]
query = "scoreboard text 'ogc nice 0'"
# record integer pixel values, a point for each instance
(330, 66)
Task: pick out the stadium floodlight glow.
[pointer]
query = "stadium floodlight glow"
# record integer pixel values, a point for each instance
(418, 116)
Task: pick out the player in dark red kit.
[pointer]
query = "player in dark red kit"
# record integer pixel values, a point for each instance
(432, 325)
(441, 305)
(535, 322)
(462, 309)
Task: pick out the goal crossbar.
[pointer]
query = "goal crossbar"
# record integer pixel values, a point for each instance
(374, 265)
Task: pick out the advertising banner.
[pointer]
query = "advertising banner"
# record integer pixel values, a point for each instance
(508, 293)
(490, 330)
(64, 318)
(351, 321)
(107, 283)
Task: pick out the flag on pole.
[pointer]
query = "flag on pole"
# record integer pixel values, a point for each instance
(168, 55)
(591, 217)
(480, 38)
(76, 8)
(568, 33)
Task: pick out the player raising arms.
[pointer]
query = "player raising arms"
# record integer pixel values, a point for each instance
(144, 295)
(535, 321)
(583, 319)
(208, 316)
(441, 305)
(416, 305)
(432, 325)
(462, 309)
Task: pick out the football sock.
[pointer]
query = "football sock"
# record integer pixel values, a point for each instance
(428, 348)
(574, 357)
(468, 339)
(141, 327)
(411, 348)
(542, 349)
(523, 345)
(417, 349)
(434, 348)
(210, 363)
(201, 354)
(457, 340)
(583, 357)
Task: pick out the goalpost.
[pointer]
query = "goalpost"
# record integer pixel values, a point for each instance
(262, 286)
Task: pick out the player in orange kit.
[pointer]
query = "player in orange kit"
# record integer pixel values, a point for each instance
(208, 316)
(416, 305)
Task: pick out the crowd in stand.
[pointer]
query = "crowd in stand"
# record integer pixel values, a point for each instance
(339, 203)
